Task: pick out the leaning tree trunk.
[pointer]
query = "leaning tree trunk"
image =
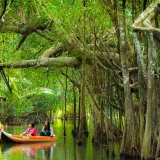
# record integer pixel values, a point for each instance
(128, 139)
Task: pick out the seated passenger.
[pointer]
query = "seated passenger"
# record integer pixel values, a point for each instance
(1, 127)
(31, 131)
(47, 130)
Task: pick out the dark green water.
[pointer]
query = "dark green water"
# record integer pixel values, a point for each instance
(62, 149)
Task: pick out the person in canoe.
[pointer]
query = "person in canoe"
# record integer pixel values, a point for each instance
(46, 130)
(31, 131)
(1, 127)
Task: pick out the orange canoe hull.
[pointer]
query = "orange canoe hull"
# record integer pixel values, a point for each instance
(6, 137)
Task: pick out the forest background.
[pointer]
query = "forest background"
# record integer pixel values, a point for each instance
(84, 58)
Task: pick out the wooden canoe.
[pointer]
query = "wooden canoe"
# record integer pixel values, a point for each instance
(6, 137)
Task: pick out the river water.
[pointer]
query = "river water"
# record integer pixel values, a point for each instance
(65, 148)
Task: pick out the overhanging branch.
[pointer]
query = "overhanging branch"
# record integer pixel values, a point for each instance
(44, 62)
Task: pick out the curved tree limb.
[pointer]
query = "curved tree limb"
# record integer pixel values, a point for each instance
(42, 34)
(54, 51)
(143, 22)
(26, 29)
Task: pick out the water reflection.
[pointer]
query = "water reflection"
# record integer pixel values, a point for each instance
(27, 151)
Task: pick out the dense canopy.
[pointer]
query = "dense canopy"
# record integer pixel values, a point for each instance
(93, 59)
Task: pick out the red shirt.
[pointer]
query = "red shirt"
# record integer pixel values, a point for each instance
(32, 131)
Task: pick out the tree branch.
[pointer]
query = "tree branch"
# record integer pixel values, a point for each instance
(54, 51)
(3, 98)
(44, 62)
(71, 80)
(143, 22)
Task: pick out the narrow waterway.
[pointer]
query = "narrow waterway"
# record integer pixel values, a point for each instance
(65, 148)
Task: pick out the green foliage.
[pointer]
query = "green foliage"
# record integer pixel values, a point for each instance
(44, 89)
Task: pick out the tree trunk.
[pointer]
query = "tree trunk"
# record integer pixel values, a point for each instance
(128, 140)
(147, 145)
(65, 104)
(74, 131)
(142, 85)
(83, 124)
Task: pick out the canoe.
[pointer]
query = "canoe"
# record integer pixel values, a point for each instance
(6, 137)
